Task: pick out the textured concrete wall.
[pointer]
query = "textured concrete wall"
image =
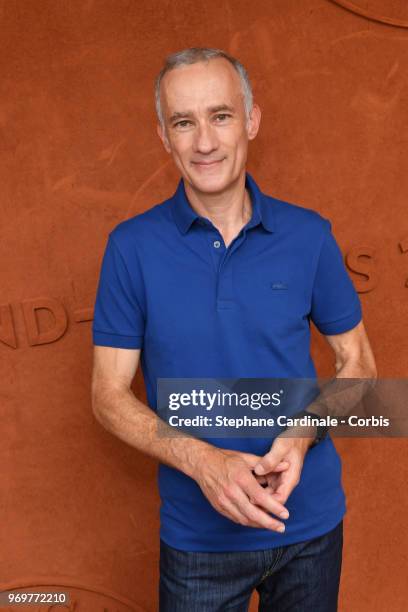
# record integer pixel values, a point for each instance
(79, 153)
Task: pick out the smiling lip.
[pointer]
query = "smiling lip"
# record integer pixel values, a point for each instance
(207, 163)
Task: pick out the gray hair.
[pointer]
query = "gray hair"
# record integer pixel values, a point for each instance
(202, 54)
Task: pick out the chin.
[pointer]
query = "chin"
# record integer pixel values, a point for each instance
(210, 184)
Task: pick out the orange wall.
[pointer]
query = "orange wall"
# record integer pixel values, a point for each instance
(79, 153)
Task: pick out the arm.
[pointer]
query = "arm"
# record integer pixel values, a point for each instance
(353, 359)
(353, 353)
(224, 476)
(116, 407)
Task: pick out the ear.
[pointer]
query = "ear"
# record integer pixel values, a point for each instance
(163, 137)
(254, 121)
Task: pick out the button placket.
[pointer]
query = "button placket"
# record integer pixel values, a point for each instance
(217, 248)
(225, 293)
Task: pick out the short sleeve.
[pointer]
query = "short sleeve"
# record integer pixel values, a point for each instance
(336, 306)
(118, 315)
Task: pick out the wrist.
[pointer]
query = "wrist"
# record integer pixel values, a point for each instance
(199, 457)
(316, 428)
(306, 438)
(308, 442)
(301, 436)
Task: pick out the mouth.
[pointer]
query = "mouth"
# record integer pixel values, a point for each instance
(207, 163)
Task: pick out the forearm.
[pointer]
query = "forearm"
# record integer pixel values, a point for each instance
(337, 398)
(120, 412)
(352, 382)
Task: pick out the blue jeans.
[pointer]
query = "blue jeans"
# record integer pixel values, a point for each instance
(301, 577)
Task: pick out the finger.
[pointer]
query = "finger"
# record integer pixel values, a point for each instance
(256, 516)
(257, 495)
(231, 508)
(262, 480)
(282, 465)
(269, 462)
(273, 479)
(289, 481)
(252, 460)
(232, 511)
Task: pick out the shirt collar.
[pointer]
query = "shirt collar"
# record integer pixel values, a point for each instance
(262, 209)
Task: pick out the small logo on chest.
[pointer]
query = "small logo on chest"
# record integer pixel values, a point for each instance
(278, 285)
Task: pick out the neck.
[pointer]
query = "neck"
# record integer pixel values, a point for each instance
(228, 210)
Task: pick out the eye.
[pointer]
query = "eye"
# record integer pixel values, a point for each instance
(182, 124)
(222, 117)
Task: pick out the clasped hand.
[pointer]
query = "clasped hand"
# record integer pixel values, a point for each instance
(248, 489)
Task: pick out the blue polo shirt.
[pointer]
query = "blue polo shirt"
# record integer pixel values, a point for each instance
(196, 309)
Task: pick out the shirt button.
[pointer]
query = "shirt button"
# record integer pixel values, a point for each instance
(217, 244)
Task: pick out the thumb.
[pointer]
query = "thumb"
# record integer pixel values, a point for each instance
(253, 460)
(269, 462)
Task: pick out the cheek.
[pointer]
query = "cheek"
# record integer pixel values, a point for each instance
(181, 147)
(236, 141)
(239, 151)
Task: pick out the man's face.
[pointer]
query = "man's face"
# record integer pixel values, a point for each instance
(205, 126)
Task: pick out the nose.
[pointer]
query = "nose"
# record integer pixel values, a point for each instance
(205, 139)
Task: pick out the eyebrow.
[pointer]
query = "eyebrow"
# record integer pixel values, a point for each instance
(212, 109)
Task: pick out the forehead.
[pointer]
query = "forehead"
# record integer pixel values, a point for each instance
(204, 83)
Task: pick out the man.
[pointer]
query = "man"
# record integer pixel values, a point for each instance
(221, 281)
